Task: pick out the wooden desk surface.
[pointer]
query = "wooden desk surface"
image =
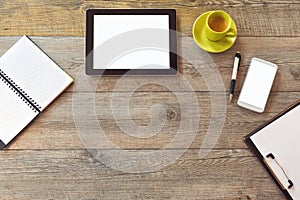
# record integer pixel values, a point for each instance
(48, 159)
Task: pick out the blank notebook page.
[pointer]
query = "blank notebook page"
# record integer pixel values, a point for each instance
(32, 70)
(15, 113)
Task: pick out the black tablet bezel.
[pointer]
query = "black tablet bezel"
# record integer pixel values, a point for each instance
(90, 42)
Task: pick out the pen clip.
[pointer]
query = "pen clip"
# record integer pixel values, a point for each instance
(238, 55)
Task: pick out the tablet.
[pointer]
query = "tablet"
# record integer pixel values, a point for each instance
(131, 41)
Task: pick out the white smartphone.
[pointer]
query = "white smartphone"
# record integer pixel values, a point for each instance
(257, 85)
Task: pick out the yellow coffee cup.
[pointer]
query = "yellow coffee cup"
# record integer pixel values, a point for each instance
(218, 25)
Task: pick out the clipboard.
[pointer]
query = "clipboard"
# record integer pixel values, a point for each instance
(277, 145)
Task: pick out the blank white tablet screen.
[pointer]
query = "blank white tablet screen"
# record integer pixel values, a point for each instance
(106, 27)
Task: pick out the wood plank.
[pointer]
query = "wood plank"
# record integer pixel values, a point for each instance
(74, 174)
(69, 53)
(52, 18)
(67, 18)
(55, 128)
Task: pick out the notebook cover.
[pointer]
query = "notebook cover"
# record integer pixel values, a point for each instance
(254, 149)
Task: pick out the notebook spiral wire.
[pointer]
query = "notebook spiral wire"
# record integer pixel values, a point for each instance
(19, 92)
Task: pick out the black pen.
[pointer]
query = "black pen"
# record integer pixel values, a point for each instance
(236, 65)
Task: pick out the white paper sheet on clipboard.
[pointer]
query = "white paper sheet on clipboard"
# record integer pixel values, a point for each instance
(281, 139)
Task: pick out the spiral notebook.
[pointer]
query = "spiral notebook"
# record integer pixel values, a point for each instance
(277, 145)
(29, 82)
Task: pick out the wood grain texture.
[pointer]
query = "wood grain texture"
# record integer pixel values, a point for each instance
(48, 160)
(74, 174)
(56, 18)
(55, 128)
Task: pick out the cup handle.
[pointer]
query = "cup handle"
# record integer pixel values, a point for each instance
(231, 33)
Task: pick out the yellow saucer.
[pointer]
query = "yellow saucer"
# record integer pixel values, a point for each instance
(208, 45)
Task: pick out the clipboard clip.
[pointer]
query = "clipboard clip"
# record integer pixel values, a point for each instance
(278, 172)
